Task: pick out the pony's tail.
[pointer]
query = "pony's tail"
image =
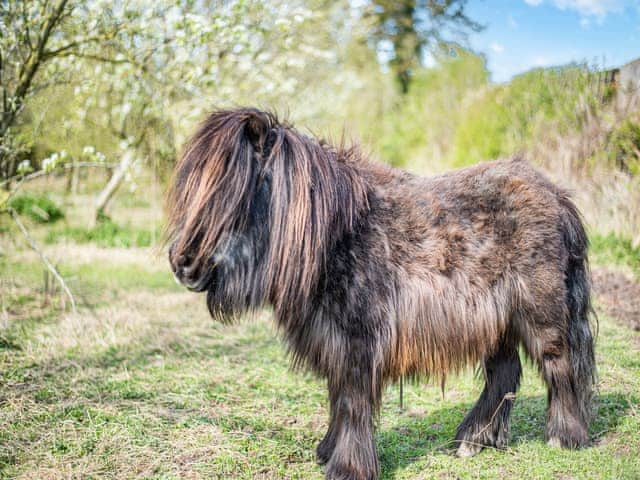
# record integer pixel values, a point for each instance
(579, 336)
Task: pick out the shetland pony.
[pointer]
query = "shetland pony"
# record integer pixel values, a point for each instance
(374, 273)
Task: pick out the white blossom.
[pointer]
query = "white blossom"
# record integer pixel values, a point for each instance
(24, 167)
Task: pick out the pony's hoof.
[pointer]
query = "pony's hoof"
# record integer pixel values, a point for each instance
(554, 442)
(466, 449)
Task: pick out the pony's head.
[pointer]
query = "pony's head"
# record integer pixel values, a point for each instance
(253, 208)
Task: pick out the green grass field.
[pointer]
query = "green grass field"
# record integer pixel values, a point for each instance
(141, 383)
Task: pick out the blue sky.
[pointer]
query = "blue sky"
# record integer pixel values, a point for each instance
(523, 34)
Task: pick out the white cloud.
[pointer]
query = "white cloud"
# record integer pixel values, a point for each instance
(512, 22)
(496, 47)
(596, 8)
(586, 8)
(541, 61)
(428, 60)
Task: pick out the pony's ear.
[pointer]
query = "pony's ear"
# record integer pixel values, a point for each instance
(257, 127)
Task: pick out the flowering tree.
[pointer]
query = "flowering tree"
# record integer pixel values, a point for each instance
(138, 68)
(36, 37)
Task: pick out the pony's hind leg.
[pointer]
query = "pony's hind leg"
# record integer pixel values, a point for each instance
(566, 425)
(487, 424)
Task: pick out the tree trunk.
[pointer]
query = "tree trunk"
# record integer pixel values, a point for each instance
(112, 186)
(75, 178)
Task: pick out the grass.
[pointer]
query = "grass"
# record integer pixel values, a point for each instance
(614, 250)
(141, 383)
(40, 208)
(105, 233)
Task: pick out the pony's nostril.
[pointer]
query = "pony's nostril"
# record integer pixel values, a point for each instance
(182, 262)
(180, 266)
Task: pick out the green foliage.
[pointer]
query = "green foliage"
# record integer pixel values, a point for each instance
(430, 113)
(624, 147)
(39, 208)
(511, 117)
(612, 249)
(454, 116)
(484, 130)
(106, 234)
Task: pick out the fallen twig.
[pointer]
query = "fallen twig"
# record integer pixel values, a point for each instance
(507, 396)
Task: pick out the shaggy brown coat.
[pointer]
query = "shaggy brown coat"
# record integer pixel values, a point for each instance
(374, 273)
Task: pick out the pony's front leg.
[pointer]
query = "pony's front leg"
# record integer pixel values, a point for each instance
(328, 444)
(357, 394)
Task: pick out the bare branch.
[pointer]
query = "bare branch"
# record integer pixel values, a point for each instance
(95, 57)
(68, 49)
(25, 19)
(42, 173)
(35, 61)
(43, 257)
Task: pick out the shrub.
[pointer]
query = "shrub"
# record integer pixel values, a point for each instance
(624, 147)
(483, 133)
(431, 111)
(511, 117)
(616, 250)
(105, 234)
(39, 208)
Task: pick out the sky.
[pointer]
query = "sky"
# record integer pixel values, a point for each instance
(523, 34)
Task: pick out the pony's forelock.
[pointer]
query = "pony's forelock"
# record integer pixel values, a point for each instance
(313, 194)
(212, 180)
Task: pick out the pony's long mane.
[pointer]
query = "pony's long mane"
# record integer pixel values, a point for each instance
(315, 193)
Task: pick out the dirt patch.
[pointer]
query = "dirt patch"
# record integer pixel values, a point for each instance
(618, 296)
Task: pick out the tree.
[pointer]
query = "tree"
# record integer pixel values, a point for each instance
(184, 54)
(403, 31)
(34, 36)
(137, 68)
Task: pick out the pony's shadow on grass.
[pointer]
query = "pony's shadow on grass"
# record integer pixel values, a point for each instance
(414, 438)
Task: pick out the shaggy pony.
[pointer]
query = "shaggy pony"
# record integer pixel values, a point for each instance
(374, 273)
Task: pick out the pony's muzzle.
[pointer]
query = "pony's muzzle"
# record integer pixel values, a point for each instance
(188, 273)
